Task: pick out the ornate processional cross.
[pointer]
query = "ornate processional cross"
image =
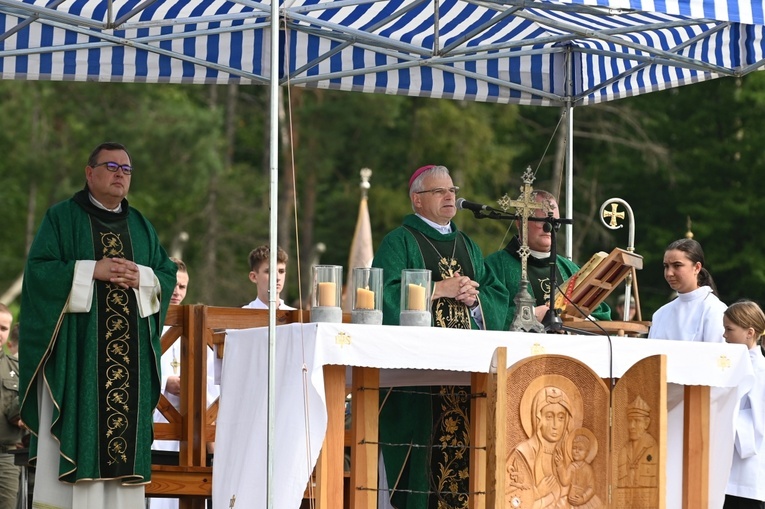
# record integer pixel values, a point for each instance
(525, 206)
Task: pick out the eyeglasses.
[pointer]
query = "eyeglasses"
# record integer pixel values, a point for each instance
(113, 167)
(440, 191)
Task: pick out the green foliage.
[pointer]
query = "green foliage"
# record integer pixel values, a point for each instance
(706, 168)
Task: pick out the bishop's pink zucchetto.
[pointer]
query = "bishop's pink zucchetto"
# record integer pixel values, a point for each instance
(418, 172)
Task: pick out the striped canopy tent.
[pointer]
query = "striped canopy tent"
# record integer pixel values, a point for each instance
(513, 51)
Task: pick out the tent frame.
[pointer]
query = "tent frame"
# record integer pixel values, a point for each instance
(258, 16)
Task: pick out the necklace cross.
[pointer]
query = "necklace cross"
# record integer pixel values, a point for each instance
(175, 364)
(446, 266)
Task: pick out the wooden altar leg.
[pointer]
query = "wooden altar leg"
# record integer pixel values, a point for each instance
(496, 436)
(478, 417)
(696, 447)
(193, 399)
(329, 470)
(364, 437)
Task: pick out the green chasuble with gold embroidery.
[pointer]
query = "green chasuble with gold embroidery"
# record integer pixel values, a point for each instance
(401, 249)
(432, 472)
(506, 264)
(101, 367)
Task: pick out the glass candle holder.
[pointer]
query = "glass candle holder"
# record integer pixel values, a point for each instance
(327, 285)
(415, 290)
(367, 289)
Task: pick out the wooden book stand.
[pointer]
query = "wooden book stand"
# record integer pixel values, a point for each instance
(600, 282)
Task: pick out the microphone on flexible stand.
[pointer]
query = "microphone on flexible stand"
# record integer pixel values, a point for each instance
(463, 204)
(481, 211)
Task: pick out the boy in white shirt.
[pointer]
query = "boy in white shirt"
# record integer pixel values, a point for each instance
(260, 274)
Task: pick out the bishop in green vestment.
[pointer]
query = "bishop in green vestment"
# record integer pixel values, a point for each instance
(97, 285)
(506, 264)
(433, 473)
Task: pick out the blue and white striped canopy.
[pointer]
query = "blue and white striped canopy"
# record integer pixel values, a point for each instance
(516, 51)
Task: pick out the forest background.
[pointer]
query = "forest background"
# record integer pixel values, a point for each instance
(200, 153)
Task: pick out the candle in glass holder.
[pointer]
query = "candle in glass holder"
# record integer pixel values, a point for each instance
(416, 297)
(327, 294)
(365, 298)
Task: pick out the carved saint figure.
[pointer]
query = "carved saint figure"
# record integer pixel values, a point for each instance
(579, 475)
(532, 479)
(638, 458)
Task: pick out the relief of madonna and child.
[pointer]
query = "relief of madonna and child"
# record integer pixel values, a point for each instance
(553, 467)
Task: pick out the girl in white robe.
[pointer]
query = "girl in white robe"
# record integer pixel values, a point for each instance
(696, 313)
(744, 323)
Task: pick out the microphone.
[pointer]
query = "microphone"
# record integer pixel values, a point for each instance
(463, 204)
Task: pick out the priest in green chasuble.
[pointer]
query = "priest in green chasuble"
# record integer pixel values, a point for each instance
(433, 471)
(97, 285)
(506, 264)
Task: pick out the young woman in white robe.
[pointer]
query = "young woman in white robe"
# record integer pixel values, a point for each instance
(744, 323)
(696, 313)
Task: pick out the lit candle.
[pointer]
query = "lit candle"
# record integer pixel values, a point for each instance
(365, 298)
(327, 294)
(416, 297)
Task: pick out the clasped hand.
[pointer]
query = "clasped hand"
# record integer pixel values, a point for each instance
(173, 385)
(118, 271)
(541, 311)
(461, 288)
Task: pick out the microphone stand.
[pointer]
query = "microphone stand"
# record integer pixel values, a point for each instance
(552, 322)
(492, 214)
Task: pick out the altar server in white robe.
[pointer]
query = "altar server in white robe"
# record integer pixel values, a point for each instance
(171, 380)
(744, 324)
(696, 314)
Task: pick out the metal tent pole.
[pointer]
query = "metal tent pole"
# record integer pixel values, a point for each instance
(272, 241)
(569, 155)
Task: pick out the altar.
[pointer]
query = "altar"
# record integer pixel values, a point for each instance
(420, 356)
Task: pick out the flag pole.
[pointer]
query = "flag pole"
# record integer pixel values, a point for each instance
(361, 252)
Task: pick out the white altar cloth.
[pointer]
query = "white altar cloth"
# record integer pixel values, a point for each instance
(303, 349)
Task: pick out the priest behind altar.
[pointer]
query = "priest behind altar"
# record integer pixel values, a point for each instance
(97, 285)
(506, 264)
(465, 294)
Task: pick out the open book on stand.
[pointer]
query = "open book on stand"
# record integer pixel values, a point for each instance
(595, 281)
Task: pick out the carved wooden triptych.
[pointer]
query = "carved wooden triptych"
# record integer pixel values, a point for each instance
(571, 442)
